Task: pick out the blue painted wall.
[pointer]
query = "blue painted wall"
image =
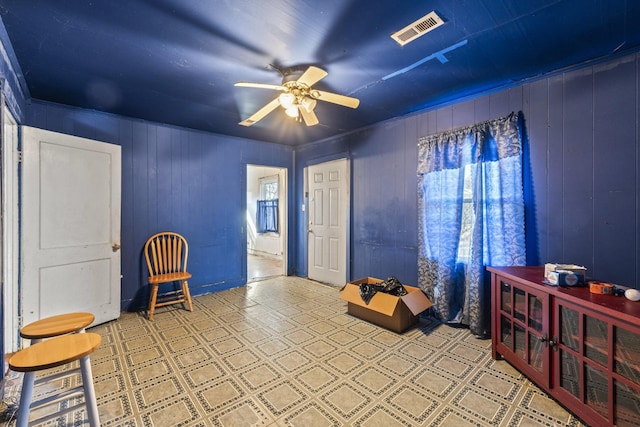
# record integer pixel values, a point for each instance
(581, 167)
(582, 176)
(175, 179)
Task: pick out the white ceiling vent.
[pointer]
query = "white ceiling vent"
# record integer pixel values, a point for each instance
(418, 28)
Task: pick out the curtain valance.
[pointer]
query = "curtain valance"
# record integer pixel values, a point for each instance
(495, 140)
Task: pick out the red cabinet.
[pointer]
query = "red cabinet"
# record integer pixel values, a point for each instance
(581, 348)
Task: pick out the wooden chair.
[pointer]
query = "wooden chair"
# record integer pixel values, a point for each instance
(166, 254)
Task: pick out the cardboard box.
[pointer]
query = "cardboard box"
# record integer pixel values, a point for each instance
(564, 274)
(578, 269)
(388, 311)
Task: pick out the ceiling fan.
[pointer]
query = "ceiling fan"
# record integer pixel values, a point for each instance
(298, 98)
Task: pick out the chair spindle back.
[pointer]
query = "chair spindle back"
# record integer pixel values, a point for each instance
(166, 253)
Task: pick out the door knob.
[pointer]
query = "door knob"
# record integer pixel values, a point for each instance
(115, 247)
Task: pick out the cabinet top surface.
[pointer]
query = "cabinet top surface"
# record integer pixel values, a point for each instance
(534, 276)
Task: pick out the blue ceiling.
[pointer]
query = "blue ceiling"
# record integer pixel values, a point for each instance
(176, 61)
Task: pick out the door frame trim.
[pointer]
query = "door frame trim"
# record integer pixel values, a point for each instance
(10, 238)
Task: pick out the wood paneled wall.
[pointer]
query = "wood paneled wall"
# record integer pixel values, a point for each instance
(581, 173)
(582, 180)
(179, 180)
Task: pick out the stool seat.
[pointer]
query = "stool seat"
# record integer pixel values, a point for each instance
(54, 352)
(57, 325)
(51, 353)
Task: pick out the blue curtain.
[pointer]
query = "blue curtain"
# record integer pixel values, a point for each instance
(267, 216)
(471, 215)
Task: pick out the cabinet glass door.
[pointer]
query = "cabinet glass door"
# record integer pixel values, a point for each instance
(583, 358)
(506, 333)
(524, 328)
(536, 337)
(596, 341)
(591, 350)
(626, 368)
(568, 349)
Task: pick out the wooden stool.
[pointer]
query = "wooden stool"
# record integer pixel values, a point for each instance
(52, 353)
(56, 325)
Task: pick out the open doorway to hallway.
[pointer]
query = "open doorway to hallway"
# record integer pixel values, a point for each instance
(266, 222)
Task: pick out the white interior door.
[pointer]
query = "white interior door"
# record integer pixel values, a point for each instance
(70, 226)
(328, 221)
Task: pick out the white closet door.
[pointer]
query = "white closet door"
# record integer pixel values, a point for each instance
(328, 221)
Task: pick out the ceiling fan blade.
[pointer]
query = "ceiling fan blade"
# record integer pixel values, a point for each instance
(261, 113)
(260, 85)
(309, 117)
(345, 101)
(312, 75)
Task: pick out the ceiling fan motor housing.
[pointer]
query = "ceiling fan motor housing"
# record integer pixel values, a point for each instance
(291, 75)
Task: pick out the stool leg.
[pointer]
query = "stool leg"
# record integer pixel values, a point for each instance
(89, 392)
(25, 399)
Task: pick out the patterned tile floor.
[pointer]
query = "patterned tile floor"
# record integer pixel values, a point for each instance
(261, 267)
(283, 352)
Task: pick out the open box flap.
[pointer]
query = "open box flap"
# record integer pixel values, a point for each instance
(415, 300)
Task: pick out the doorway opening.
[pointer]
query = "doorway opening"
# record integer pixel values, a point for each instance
(266, 222)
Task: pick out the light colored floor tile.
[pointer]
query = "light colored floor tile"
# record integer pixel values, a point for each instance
(284, 352)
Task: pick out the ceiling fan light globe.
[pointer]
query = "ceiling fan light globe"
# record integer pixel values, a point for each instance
(286, 99)
(292, 111)
(309, 104)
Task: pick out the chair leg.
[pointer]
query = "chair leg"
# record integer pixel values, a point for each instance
(25, 399)
(152, 300)
(187, 294)
(89, 392)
